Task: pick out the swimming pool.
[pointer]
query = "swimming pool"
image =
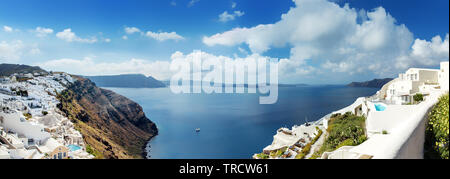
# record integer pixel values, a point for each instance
(74, 148)
(380, 107)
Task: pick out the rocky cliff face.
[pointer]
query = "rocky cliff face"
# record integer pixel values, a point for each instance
(112, 125)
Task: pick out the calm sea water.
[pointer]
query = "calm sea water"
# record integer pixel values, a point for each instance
(232, 125)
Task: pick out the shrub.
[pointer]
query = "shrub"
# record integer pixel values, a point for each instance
(385, 132)
(343, 130)
(44, 113)
(418, 97)
(262, 156)
(277, 153)
(28, 116)
(437, 132)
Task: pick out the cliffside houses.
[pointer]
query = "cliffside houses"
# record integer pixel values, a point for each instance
(395, 123)
(31, 126)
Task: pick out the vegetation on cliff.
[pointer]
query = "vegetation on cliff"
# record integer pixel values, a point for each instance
(112, 125)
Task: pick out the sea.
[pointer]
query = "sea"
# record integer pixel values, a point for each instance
(232, 126)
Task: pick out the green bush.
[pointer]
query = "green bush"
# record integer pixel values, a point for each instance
(437, 133)
(343, 130)
(418, 97)
(262, 156)
(277, 153)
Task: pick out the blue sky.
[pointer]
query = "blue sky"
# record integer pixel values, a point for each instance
(98, 37)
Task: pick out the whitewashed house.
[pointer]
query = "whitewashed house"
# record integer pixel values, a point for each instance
(415, 81)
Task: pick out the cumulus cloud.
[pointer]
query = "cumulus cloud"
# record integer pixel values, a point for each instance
(88, 66)
(339, 38)
(233, 5)
(70, 36)
(158, 69)
(426, 53)
(43, 32)
(8, 29)
(132, 30)
(225, 16)
(163, 36)
(160, 36)
(11, 51)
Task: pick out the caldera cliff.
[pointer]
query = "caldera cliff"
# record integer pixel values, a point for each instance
(112, 125)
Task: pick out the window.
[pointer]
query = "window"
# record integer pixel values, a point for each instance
(60, 155)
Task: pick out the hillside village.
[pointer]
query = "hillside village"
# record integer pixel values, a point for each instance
(391, 123)
(31, 125)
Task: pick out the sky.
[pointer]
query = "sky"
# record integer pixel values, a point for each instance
(316, 41)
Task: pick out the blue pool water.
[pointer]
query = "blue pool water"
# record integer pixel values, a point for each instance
(233, 126)
(74, 148)
(380, 107)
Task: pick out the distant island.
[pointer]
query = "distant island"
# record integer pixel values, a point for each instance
(376, 83)
(126, 81)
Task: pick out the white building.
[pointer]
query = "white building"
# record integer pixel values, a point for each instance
(443, 76)
(16, 123)
(4, 153)
(415, 81)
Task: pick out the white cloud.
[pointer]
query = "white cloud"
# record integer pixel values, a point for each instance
(163, 36)
(426, 53)
(233, 5)
(88, 66)
(43, 32)
(35, 51)
(107, 40)
(173, 3)
(131, 30)
(7, 29)
(158, 69)
(11, 51)
(70, 36)
(225, 16)
(14, 51)
(339, 39)
(160, 36)
(193, 2)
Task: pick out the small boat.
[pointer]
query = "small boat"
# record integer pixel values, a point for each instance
(197, 130)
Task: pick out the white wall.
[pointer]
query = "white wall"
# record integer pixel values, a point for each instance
(444, 76)
(12, 122)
